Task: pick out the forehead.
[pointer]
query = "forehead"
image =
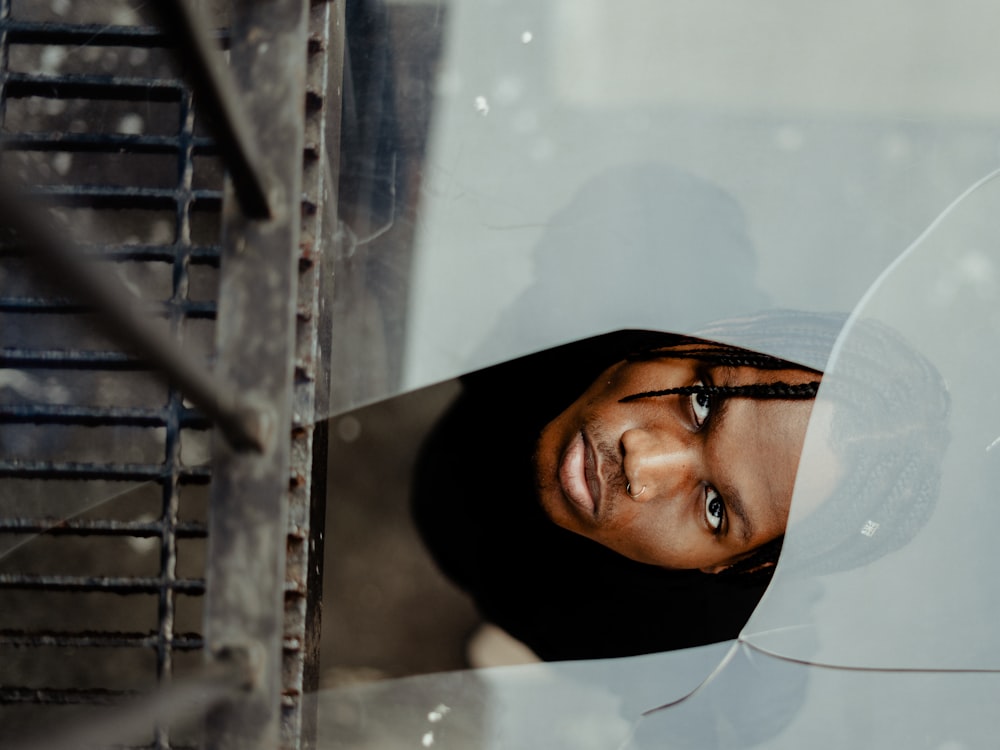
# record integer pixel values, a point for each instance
(752, 454)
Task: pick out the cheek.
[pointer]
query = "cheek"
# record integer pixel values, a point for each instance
(643, 536)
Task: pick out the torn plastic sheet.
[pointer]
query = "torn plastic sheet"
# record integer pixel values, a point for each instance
(840, 650)
(868, 635)
(588, 704)
(649, 165)
(906, 578)
(761, 701)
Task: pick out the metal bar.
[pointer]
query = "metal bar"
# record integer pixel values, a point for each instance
(72, 527)
(4, 58)
(217, 99)
(67, 697)
(104, 143)
(198, 255)
(72, 359)
(169, 517)
(48, 306)
(115, 196)
(94, 416)
(95, 639)
(110, 87)
(111, 584)
(202, 255)
(255, 334)
(18, 469)
(94, 35)
(243, 427)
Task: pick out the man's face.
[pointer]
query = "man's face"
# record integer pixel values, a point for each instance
(710, 480)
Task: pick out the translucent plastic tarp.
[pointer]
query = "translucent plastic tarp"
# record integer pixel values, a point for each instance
(892, 569)
(645, 164)
(562, 704)
(760, 701)
(663, 164)
(877, 628)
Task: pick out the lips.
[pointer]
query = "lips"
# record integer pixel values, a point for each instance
(578, 475)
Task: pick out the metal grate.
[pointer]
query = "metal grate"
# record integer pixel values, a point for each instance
(104, 469)
(64, 113)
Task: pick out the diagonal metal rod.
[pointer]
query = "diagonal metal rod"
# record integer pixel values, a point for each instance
(217, 98)
(58, 261)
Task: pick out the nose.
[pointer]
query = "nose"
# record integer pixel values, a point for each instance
(660, 463)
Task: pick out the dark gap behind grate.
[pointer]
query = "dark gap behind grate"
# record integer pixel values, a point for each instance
(97, 457)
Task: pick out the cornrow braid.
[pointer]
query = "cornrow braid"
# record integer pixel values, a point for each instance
(778, 390)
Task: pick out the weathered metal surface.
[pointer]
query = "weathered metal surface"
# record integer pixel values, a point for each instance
(236, 138)
(60, 622)
(255, 356)
(182, 642)
(123, 317)
(307, 489)
(273, 346)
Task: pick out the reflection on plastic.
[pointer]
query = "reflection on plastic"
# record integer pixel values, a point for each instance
(899, 574)
(578, 705)
(761, 701)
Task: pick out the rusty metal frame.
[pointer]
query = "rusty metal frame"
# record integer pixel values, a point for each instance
(248, 519)
(271, 384)
(308, 489)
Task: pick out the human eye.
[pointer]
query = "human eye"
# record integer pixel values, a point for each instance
(701, 405)
(715, 509)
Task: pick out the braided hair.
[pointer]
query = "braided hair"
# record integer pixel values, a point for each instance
(888, 430)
